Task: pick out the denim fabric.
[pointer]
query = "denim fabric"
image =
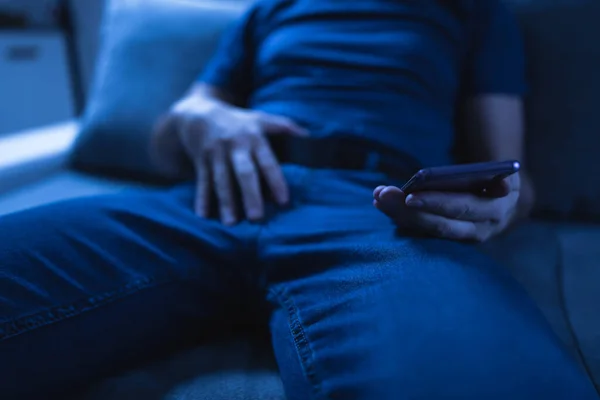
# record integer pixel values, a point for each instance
(92, 285)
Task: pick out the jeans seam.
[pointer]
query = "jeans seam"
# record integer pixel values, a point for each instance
(303, 349)
(55, 314)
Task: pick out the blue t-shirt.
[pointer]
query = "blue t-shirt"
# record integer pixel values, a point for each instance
(390, 71)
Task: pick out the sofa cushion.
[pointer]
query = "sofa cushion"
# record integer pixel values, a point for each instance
(235, 369)
(580, 285)
(563, 125)
(151, 52)
(558, 264)
(532, 254)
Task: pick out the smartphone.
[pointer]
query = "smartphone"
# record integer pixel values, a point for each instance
(461, 178)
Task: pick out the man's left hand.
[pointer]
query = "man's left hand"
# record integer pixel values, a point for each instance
(454, 216)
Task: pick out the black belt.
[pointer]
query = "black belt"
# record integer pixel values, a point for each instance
(347, 153)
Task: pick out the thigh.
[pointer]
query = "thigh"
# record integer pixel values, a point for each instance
(360, 313)
(91, 285)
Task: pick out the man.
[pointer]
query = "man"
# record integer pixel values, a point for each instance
(348, 95)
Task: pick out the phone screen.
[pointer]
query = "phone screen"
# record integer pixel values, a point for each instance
(461, 178)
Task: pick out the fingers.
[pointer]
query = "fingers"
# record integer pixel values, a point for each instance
(446, 228)
(248, 181)
(244, 167)
(392, 201)
(271, 170)
(202, 200)
(188, 131)
(459, 206)
(247, 161)
(222, 183)
(237, 154)
(275, 124)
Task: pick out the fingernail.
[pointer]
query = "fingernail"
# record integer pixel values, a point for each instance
(383, 193)
(412, 202)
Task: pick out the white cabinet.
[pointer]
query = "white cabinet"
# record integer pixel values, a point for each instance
(35, 85)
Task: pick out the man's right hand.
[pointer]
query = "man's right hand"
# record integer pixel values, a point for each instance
(228, 147)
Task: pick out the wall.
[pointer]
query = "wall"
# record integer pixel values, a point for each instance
(86, 15)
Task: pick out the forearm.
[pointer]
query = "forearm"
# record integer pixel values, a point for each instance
(495, 132)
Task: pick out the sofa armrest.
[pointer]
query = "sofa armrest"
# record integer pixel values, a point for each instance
(30, 155)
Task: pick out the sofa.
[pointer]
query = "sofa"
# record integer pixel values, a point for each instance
(151, 50)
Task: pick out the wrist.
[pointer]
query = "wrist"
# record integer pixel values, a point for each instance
(526, 197)
(522, 209)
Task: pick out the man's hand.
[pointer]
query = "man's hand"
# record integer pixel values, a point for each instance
(228, 147)
(455, 216)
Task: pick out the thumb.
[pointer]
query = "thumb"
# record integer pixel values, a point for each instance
(391, 201)
(276, 124)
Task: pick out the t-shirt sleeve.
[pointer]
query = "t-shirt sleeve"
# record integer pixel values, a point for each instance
(231, 67)
(496, 64)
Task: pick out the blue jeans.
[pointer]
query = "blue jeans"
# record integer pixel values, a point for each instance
(355, 310)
